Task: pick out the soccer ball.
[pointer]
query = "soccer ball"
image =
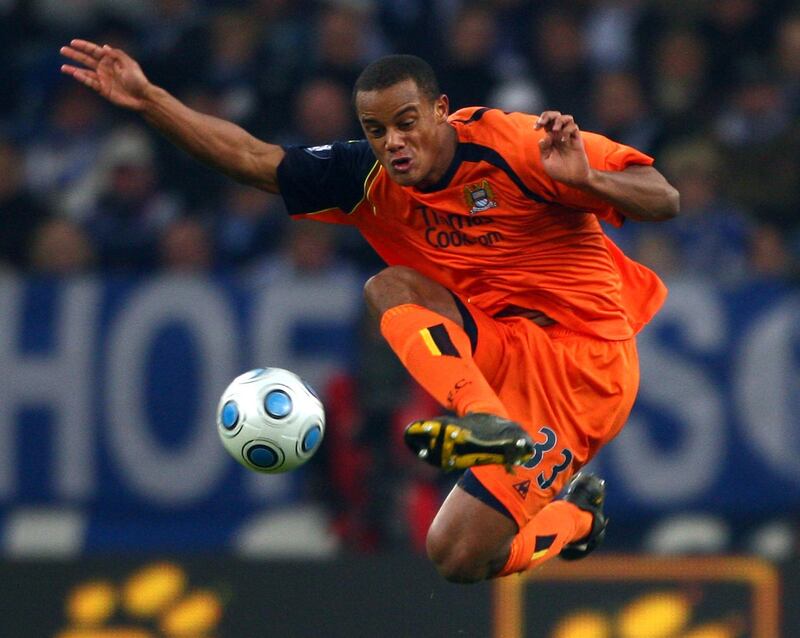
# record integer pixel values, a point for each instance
(270, 420)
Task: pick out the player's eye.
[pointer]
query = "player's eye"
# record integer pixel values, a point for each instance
(375, 131)
(406, 124)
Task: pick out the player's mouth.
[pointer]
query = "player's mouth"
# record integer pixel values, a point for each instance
(401, 165)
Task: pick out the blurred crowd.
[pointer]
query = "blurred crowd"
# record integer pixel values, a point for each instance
(710, 88)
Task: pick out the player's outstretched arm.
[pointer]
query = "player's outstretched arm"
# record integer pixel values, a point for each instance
(118, 78)
(638, 192)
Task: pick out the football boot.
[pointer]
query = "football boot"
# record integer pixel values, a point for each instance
(587, 492)
(456, 443)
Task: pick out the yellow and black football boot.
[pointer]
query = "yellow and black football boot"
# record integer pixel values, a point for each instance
(456, 443)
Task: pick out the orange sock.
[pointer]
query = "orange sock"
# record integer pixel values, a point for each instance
(557, 524)
(436, 351)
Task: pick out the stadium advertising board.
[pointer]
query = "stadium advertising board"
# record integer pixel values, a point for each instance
(606, 596)
(218, 597)
(640, 597)
(107, 406)
(716, 426)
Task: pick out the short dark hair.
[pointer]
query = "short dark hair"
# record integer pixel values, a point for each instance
(392, 69)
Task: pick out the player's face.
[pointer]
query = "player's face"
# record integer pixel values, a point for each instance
(408, 132)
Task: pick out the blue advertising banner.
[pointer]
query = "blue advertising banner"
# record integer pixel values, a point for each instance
(716, 427)
(109, 393)
(109, 389)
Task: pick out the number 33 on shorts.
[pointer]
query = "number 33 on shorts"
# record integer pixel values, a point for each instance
(540, 449)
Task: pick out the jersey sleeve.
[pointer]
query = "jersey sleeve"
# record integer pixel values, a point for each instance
(605, 155)
(330, 178)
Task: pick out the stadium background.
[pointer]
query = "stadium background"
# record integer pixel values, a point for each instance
(134, 284)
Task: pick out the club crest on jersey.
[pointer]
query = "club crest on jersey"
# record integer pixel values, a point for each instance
(480, 197)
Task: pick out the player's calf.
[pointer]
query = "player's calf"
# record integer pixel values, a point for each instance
(469, 540)
(457, 564)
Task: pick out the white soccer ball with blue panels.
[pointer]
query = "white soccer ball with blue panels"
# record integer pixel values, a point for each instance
(270, 420)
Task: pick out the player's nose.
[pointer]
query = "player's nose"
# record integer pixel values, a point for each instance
(394, 140)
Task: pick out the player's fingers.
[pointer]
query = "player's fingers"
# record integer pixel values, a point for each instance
(117, 56)
(546, 119)
(89, 48)
(83, 76)
(561, 121)
(543, 120)
(568, 131)
(78, 56)
(68, 69)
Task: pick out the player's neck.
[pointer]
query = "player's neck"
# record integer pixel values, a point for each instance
(448, 145)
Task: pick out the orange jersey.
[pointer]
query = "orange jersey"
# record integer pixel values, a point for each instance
(496, 229)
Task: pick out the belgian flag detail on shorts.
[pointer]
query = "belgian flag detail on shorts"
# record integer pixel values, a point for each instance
(438, 341)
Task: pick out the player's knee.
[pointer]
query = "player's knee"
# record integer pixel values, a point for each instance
(456, 561)
(398, 285)
(391, 287)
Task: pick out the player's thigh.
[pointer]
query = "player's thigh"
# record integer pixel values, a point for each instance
(487, 338)
(524, 492)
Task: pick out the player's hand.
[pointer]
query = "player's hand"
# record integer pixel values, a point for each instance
(108, 71)
(563, 154)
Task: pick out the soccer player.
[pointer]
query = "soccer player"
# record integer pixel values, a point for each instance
(502, 297)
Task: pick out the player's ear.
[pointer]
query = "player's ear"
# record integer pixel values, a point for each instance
(441, 108)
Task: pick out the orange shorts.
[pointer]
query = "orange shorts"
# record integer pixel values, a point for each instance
(570, 391)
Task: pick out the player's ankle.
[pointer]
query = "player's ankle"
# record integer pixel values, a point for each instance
(583, 524)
